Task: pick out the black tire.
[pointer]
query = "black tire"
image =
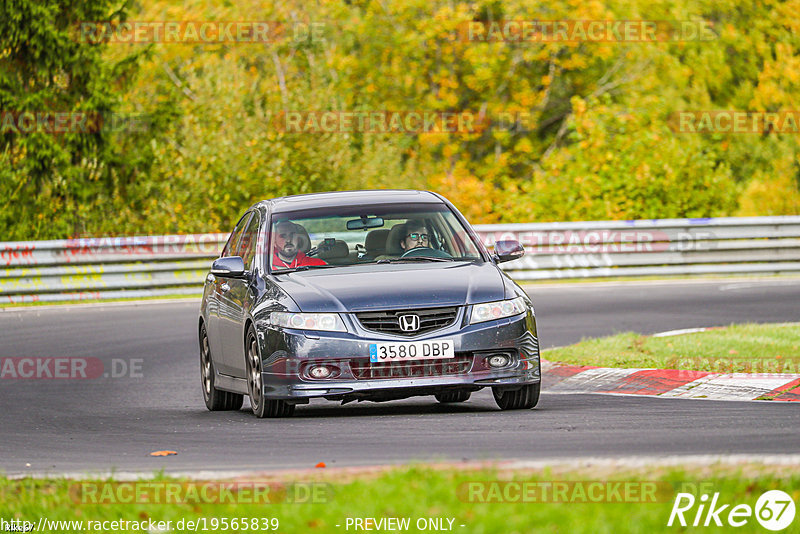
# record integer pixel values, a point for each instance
(458, 395)
(216, 399)
(523, 398)
(261, 407)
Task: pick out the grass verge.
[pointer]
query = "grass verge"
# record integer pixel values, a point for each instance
(721, 277)
(97, 301)
(747, 348)
(490, 500)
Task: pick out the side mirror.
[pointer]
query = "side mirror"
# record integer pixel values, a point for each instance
(507, 251)
(231, 266)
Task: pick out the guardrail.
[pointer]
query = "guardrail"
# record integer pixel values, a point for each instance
(106, 267)
(660, 247)
(94, 268)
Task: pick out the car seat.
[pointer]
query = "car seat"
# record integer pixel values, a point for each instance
(336, 254)
(375, 243)
(303, 241)
(393, 248)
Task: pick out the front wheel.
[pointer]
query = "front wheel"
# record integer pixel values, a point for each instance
(261, 407)
(216, 399)
(523, 398)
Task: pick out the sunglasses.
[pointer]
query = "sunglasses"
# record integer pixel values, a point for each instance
(418, 236)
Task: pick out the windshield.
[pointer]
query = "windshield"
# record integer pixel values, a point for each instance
(337, 237)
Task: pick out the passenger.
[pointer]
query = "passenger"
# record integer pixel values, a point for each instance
(286, 238)
(416, 236)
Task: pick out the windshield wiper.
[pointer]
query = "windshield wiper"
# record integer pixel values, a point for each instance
(413, 258)
(303, 268)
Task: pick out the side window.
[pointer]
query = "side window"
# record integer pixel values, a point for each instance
(247, 244)
(233, 240)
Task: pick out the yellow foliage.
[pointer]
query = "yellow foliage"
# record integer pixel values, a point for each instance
(473, 197)
(524, 146)
(777, 194)
(614, 157)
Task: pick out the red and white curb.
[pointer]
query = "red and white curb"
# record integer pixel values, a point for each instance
(557, 378)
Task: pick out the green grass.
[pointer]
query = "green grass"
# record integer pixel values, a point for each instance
(721, 277)
(97, 301)
(748, 348)
(426, 492)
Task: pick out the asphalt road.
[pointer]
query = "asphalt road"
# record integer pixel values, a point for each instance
(68, 426)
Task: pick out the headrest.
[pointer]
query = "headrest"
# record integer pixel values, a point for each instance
(338, 250)
(375, 242)
(301, 236)
(396, 235)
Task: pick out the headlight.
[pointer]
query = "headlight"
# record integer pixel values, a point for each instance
(330, 322)
(497, 310)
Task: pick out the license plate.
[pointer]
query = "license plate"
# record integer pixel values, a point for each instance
(411, 350)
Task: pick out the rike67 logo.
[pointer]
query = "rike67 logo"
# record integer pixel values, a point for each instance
(774, 510)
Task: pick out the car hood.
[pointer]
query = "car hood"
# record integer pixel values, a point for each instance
(393, 286)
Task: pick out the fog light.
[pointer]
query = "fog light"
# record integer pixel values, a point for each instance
(498, 360)
(320, 371)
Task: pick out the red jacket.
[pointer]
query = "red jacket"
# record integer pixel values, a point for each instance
(299, 260)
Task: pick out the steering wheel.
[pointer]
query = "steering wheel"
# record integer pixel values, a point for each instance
(425, 252)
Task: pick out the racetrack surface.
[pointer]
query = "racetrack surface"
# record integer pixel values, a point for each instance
(60, 426)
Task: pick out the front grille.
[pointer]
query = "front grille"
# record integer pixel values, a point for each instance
(388, 322)
(364, 370)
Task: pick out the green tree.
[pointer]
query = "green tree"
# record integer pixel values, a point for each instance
(589, 137)
(57, 184)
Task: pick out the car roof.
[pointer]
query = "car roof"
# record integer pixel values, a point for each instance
(349, 198)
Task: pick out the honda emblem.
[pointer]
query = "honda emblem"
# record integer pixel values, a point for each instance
(409, 323)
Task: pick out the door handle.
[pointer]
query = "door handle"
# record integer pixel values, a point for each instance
(224, 287)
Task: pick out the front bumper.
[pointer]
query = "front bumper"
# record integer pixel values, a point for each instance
(288, 354)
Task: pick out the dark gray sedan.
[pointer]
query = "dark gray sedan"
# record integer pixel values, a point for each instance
(363, 295)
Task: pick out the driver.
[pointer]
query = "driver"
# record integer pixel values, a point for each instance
(286, 252)
(416, 236)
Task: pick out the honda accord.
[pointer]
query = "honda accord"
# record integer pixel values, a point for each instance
(363, 295)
